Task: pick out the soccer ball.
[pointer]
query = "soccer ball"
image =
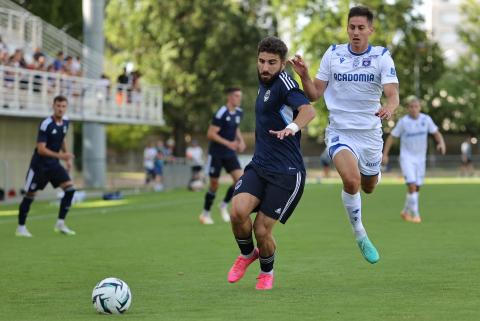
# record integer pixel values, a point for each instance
(111, 296)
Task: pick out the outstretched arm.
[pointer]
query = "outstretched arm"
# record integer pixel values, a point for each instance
(305, 114)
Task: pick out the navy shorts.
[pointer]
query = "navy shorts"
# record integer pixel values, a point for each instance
(279, 194)
(38, 178)
(215, 164)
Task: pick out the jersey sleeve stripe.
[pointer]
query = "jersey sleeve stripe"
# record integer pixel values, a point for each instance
(384, 51)
(285, 83)
(220, 112)
(288, 82)
(45, 123)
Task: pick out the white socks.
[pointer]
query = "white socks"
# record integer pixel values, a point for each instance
(353, 206)
(412, 202)
(60, 222)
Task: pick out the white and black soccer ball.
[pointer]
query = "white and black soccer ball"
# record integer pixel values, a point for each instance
(111, 296)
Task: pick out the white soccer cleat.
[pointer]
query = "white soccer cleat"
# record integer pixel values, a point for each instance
(63, 229)
(205, 220)
(225, 214)
(22, 232)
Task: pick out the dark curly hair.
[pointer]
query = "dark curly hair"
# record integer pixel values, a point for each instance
(273, 45)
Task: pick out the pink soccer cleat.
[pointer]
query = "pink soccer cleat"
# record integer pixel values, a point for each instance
(240, 267)
(265, 281)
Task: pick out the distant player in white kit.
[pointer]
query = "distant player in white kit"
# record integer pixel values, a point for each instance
(413, 130)
(351, 78)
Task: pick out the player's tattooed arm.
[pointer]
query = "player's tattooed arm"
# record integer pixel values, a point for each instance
(393, 99)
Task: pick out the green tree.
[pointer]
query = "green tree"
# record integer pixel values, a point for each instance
(457, 96)
(319, 23)
(194, 49)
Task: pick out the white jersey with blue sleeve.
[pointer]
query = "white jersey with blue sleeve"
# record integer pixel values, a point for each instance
(355, 85)
(413, 134)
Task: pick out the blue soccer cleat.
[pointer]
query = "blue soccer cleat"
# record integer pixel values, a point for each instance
(369, 251)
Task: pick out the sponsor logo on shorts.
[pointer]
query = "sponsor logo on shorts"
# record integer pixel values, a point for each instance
(239, 183)
(33, 186)
(278, 210)
(372, 164)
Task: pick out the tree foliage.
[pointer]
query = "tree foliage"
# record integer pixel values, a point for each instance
(457, 95)
(194, 49)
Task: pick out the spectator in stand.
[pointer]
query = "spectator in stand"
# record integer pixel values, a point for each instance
(67, 67)
(122, 81)
(104, 84)
(17, 60)
(40, 65)
(37, 54)
(58, 62)
(136, 88)
(77, 67)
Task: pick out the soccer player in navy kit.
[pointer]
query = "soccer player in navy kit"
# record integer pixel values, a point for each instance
(45, 167)
(225, 140)
(273, 181)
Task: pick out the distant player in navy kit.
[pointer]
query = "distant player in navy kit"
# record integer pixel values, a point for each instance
(225, 140)
(273, 181)
(45, 167)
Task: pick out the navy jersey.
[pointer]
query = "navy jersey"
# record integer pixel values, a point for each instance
(228, 123)
(53, 135)
(276, 107)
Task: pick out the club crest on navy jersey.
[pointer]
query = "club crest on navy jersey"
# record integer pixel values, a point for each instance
(267, 95)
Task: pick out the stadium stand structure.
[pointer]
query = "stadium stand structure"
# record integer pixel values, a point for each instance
(26, 93)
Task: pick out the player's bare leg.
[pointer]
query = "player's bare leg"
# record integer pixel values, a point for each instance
(205, 217)
(242, 206)
(347, 166)
(65, 203)
(23, 210)
(263, 227)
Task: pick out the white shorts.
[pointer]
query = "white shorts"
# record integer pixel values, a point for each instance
(366, 145)
(413, 170)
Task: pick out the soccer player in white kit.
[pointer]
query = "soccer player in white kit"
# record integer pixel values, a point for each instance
(413, 130)
(351, 78)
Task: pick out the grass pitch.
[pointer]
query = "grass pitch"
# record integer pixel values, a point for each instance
(177, 268)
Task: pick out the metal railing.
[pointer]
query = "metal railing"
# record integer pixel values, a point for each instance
(29, 93)
(29, 31)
